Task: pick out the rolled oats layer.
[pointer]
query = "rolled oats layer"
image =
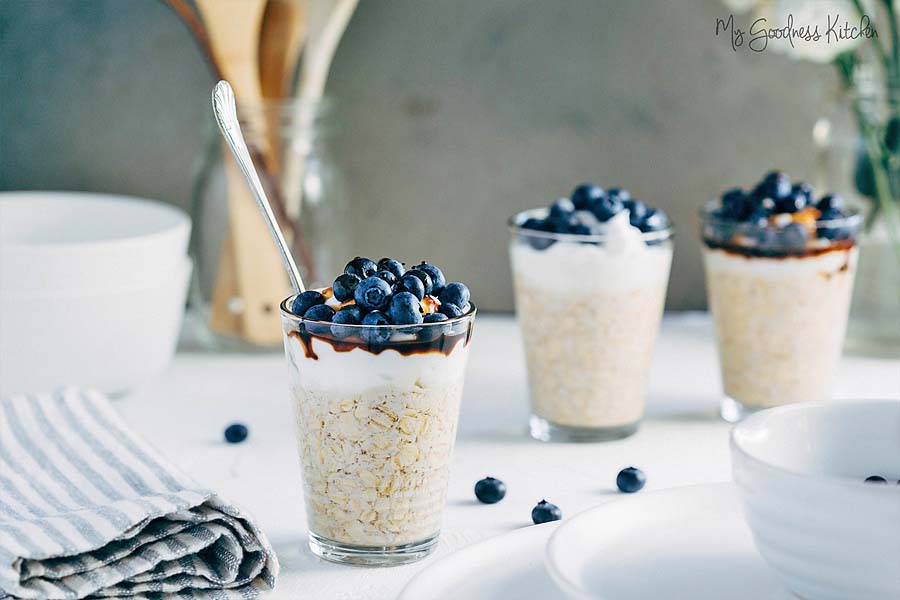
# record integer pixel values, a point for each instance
(589, 328)
(375, 451)
(780, 323)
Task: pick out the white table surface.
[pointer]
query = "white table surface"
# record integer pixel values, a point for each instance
(682, 442)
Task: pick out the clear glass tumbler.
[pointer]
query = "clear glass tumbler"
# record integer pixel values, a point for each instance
(589, 307)
(780, 310)
(377, 410)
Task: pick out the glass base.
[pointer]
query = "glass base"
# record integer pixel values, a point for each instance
(733, 411)
(543, 430)
(370, 556)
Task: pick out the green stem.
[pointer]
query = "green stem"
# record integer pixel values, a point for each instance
(895, 41)
(876, 42)
(886, 201)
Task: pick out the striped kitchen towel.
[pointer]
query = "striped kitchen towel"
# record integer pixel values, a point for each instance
(89, 509)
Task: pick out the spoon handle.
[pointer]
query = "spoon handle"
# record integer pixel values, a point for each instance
(226, 116)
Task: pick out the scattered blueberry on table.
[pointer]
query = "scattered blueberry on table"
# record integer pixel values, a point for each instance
(630, 480)
(490, 490)
(384, 293)
(875, 479)
(236, 433)
(544, 512)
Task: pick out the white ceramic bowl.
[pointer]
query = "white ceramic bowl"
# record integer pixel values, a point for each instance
(800, 470)
(110, 340)
(78, 242)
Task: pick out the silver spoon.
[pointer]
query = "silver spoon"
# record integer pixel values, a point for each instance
(226, 116)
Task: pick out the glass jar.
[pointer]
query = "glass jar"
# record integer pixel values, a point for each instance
(239, 278)
(589, 307)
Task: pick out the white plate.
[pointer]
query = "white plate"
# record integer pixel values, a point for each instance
(687, 543)
(506, 566)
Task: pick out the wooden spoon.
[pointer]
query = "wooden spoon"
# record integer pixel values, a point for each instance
(258, 280)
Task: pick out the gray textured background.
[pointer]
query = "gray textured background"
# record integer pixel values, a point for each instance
(453, 115)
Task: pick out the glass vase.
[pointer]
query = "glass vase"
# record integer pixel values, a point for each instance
(858, 156)
(239, 277)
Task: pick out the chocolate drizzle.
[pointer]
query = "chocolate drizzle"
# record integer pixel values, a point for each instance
(778, 252)
(441, 342)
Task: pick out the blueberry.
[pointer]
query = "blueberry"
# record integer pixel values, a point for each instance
(630, 480)
(794, 235)
(387, 276)
(236, 433)
(805, 190)
(377, 334)
(490, 490)
(435, 318)
(766, 236)
(793, 202)
(561, 209)
(319, 312)
(619, 193)
(832, 231)
(394, 266)
(438, 280)
(758, 216)
(405, 309)
(412, 284)
(451, 310)
(656, 220)
(775, 185)
(734, 204)
(535, 224)
(425, 277)
(544, 512)
(349, 315)
(607, 207)
(361, 267)
(305, 301)
(875, 479)
(344, 285)
(831, 202)
(372, 293)
(455, 293)
(586, 195)
(637, 212)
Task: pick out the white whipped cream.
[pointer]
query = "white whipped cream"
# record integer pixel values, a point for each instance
(779, 268)
(358, 369)
(621, 262)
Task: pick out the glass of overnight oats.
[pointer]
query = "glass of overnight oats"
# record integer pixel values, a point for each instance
(590, 275)
(377, 363)
(779, 274)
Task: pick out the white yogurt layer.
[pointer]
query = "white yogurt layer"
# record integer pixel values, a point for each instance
(620, 263)
(359, 370)
(780, 268)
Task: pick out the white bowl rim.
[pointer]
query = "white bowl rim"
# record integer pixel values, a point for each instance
(180, 220)
(736, 447)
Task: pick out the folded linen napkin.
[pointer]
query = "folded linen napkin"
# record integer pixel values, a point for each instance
(87, 508)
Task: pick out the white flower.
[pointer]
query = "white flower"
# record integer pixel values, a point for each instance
(742, 6)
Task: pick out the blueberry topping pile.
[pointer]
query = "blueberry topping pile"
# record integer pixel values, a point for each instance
(236, 433)
(630, 480)
(588, 208)
(877, 479)
(778, 213)
(490, 490)
(383, 293)
(544, 512)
